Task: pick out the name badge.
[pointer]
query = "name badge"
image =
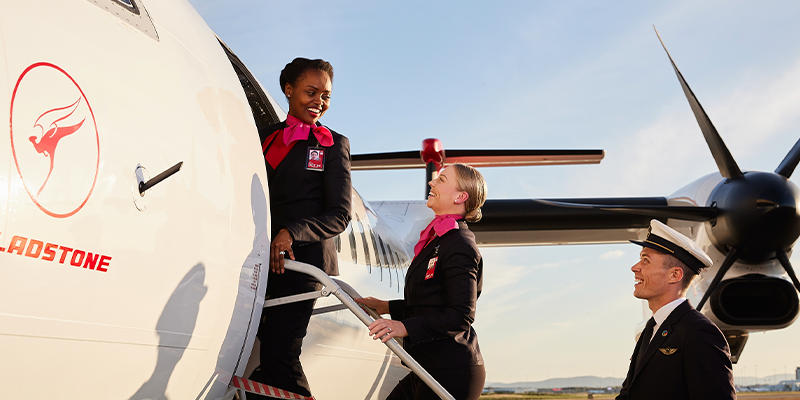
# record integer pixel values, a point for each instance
(431, 268)
(315, 159)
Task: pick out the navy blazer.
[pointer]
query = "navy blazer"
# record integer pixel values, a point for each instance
(313, 206)
(688, 358)
(438, 312)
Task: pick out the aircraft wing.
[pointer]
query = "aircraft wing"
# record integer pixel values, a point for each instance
(576, 221)
(477, 158)
(528, 222)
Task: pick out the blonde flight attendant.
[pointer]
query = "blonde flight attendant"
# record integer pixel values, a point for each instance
(443, 284)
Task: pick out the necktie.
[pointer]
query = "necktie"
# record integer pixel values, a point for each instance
(646, 335)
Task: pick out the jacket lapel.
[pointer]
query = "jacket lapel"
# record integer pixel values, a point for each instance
(298, 150)
(423, 257)
(660, 335)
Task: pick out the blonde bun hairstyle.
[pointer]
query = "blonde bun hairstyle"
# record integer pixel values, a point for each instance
(471, 181)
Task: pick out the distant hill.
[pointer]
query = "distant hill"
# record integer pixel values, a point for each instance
(580, 381)
(762, 380)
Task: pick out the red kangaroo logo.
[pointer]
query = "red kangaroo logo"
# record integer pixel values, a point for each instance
(52, 133)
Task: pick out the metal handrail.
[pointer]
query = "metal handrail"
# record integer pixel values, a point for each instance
(333, 288)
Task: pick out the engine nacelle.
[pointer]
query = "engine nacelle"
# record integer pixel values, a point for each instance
(754, 301)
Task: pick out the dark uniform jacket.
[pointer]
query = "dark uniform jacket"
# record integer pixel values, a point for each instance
(438, 312)
(314, 206)
(688, 358)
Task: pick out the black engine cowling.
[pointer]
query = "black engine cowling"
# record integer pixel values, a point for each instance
(755, 300)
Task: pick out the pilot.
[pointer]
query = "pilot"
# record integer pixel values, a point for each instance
(309, 207)
(681, 354)
(442, 287)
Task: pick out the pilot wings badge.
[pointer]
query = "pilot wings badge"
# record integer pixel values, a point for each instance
(667, 351)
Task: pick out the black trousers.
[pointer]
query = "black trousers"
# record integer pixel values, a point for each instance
(281, 333)
(465, 383)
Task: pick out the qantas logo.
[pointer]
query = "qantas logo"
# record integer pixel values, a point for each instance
(51, 115)
(47, 143)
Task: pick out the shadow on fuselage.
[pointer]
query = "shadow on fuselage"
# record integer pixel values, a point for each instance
(175, 327)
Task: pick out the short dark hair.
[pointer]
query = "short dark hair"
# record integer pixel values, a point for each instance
(295, 69)
(688, 274)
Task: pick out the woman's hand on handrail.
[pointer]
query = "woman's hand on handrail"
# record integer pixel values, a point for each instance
(385, 329)
(280, 247)
(380, 306)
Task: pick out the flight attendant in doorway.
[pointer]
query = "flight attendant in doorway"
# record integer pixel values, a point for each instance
(442, 287)
(308, 167)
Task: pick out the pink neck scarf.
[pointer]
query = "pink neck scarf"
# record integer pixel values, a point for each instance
(438, 227)
(298, 130)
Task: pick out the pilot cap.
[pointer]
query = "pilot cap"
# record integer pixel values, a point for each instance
(667, 240)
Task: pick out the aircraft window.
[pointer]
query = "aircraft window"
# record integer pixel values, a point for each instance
(390, 274)
(391, 258)
(375, 248)
(397, 273)
(263, 113)
(383, 251)
(364, 242)
(128, 3)
(130, 11)
(352, 236)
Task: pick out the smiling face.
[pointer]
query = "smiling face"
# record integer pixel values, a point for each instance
(444, 196)
(654, 280)
(309, 97)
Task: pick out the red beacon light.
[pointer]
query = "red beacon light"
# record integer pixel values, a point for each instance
(432, 154)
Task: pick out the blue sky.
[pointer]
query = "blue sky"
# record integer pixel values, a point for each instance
(541, 75)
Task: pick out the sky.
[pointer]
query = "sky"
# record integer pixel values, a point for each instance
(548, 75)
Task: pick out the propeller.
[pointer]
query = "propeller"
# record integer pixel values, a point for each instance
(725, 162)
(757, 213)
(789, 162)
(731, 258)
(784, 260)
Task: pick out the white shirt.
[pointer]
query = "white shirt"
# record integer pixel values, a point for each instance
(662, 313)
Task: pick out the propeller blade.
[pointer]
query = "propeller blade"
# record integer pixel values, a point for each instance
(784, 260)
(477, 158)
(732, 256)
(790, 162)
(725, 162)
(688, 213)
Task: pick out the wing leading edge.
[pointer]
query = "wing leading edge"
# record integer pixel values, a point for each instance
(576, 221)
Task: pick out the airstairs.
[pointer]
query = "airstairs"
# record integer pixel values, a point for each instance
(345, 294)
